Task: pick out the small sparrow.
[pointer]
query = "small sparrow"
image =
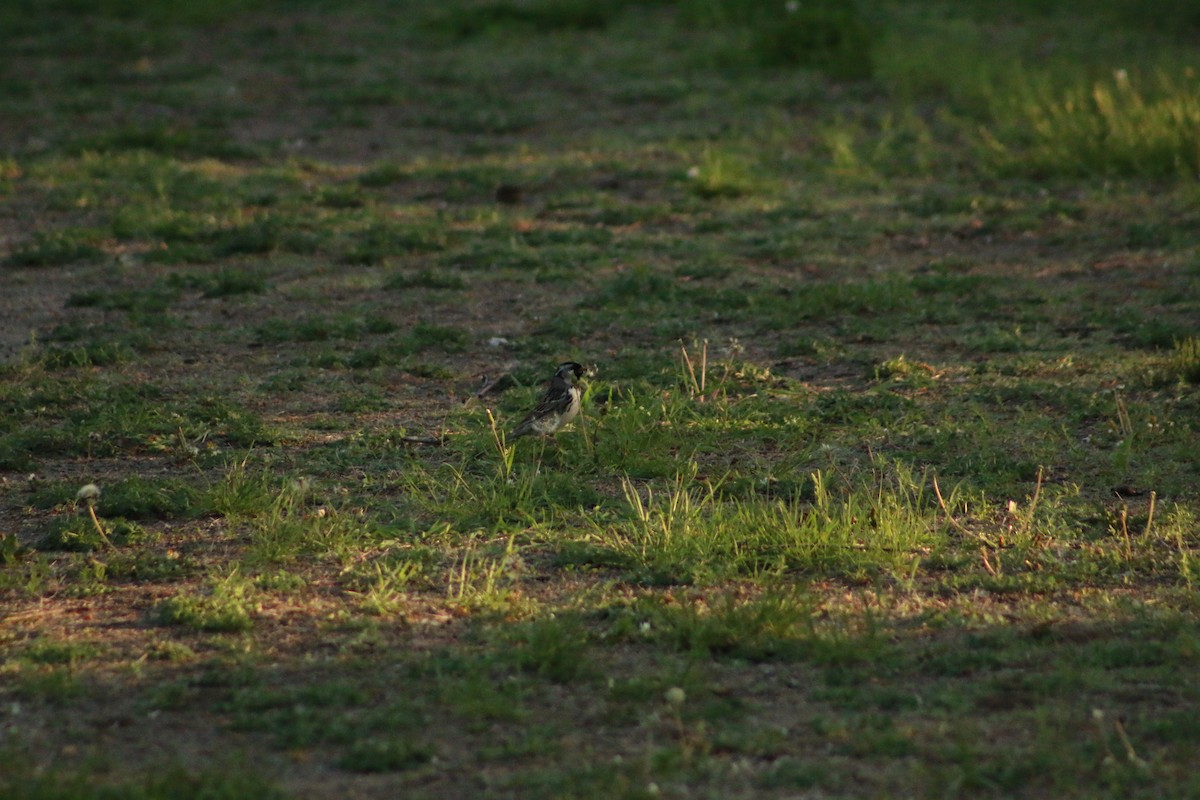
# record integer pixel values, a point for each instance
(558, 406)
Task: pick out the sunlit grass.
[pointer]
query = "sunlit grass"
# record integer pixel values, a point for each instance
(687, 533)
(1127, 125)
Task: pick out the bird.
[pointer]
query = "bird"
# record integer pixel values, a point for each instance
(558, 406)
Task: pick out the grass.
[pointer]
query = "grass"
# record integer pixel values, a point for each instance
(1119, 126)
(226, 606)
(885, 484)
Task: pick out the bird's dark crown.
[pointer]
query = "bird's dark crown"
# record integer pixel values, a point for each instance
(568, 368)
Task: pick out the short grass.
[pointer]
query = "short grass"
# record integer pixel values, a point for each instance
(886, 480)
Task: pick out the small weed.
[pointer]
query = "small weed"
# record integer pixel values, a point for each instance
(87, 354)
(167, 650)
(30, 575)
(900, 369)
(281, 581)
(380, 584)
(483, 583)
(428, 336)
(11, 550)
(794, 773)
(341, 197)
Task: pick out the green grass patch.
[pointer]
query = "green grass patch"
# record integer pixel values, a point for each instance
(226, 606)
(1120, 126)
(222, 283)
(56, 249)
(688, 535)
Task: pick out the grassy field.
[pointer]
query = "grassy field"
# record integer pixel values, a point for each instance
(887, 483)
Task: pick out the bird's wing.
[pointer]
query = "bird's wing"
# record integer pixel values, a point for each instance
(556, 400)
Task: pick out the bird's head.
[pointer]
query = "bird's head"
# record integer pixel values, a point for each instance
(570, 371)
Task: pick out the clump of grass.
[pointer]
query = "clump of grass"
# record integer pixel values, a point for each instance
(49, 651)
(386, 755)
(382, 240)
(53, 683)
(824, 301)
(84, 534)
(292, 526)
(397, 350)
(554, 648)
(688, 534)
(1122, 126)
(903, 370)
(226, 282)
(827, 35)
(901, 143)
(55, 248)
(773, 625)
(244, 493)
(87, 354)
(136, 497)
(635, 288)
(146, 300)
(341, 197)
(483, 582)
(227, 605)
(11, 550)
(1184, 360)
(380, 585)
(722, 174)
